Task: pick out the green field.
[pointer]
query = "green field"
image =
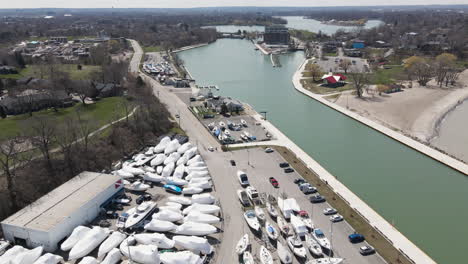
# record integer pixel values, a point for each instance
(388, 76)
(152, 48)
(75, 74)
(99, 114)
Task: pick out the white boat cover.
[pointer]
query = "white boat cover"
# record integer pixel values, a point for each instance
(168, 215)
(182, 161)
(124, 174)
(176, 181)
(195, 216)
(197, 174)
(144, 160)
(49, 258)
(172, 147)
(144, 254)
(160, 226)
(156, 239)
(181, 257)
(198, 180)
(159, 169)
(184, 148)
(88, 243)
(28, 256)
(10, 254)
(89, 260)
(78, 233)
(298, 225)
(179, 171)
(287, 206)
(174, 205)
(202, 208)
(110, 243)
(132, 170)
(162, 145)
(174, 157)
(152, 177)
(158, 160)
(193, 243)
(197, 158)
(284, 255)
(168, 169)
(149, 169)
(139, 156)
(181, 200)
(149, 152)
(113, 257)
(204, 185)
(192, 190)
(137, 186)
(205, 198)
(170, 208)
(200, 165)
(195, 229)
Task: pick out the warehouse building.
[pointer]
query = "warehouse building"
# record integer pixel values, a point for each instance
(53, 217)
(276, 35)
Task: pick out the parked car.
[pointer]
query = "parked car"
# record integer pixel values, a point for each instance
(299, 181)
(307, 188)
(288, 170)
(317, 198)
(336, 218)
(356, 238)
(329, 211)
(116, 207)
(142, 198)
(274, 182)
(233, 162)
(366, 250)
(284, 165)
(210, 148)
(269, 150)
(121, 220)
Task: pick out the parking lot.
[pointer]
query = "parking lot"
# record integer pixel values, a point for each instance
(259, 166)
(255, 131)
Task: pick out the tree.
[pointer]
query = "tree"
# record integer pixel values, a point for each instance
(84, 89)
(360, 80)
(444, 63)
(382, 88)
(66, 137)
(420, 68)
(315, 70)
(43, 135)
(345, 64)
(224, 109)
(9, 151)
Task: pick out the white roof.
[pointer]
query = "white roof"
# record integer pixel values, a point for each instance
(64, 200)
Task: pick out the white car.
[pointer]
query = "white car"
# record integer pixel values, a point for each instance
(329, 211)
(336, 218)
(269, 150)
(211, 149)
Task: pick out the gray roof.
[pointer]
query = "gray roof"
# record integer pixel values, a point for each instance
(56, 206)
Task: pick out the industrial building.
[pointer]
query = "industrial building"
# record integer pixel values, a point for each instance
(53, 217)
(276, 35)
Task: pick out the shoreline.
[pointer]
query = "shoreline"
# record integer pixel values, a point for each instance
(190, 47)
(418, 146)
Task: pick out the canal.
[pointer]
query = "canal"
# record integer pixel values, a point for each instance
(425, 200)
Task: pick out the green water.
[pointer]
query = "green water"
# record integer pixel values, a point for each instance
(426, 201)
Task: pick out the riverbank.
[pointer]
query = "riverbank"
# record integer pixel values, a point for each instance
(190, 47)
(437, 155)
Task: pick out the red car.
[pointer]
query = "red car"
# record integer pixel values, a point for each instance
(274, 182)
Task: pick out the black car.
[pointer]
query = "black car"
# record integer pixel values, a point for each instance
(366, 250)
(142, 198)
(317, 198)
(284, 165)
(116, 206)
(233, 162)
(288, 170)
(299, 181)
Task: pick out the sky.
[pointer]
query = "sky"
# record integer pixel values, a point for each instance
(209, 3)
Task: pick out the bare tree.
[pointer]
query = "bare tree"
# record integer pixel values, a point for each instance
(452, 76)
(9, 158)
(360, 80)
(43, 135)
(84, 89)
(66, 137)
(314, 70)
(345, 64)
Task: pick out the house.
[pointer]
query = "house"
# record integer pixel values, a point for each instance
(333, 80)
(53, 217)
(59, 39)
(331, 46)
(34, 100)
(233, 105)
(107, 89)
(358, 44)
(352, 52)
(8, 70)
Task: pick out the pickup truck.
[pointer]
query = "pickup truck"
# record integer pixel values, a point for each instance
(307, 188)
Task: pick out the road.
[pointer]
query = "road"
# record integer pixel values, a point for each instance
(226, 183)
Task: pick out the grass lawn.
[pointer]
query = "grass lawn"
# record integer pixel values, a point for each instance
(75, 74)
(152, 48)
(315, 88)
(331, 54)
(98, 114)
(359, 223)
(388, 76)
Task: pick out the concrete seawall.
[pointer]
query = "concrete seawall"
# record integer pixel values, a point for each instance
(428, 151)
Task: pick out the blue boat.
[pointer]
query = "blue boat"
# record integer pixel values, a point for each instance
(172, 188)
(217, 132)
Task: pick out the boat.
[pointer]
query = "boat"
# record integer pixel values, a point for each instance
(283, 253)
(319, 236)
(252, 193)
(313, 246)
(28, 256)
(160, 226)
(243, 123)
(248, 258)
(222, 125)
(196, 216)
(177, 257)
(295, 244)
(260, 213)
(152, 177)
(110, 243)
(271, 231)
(113, 257)
(271, 210)
(326, 261)
(195, 244)
(137, 186)
(172, 188)
(137, 214)
(75, 236)
(227, 133)
(242, 245)
(243, 179)
(195, 229)
(265, 256)
(243, 198)
(304, 216)
(168, 215)
(49, 258)
(284, 226)
(252, 220)
(88, 243)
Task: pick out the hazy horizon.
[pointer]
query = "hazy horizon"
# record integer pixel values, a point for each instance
(212, 3)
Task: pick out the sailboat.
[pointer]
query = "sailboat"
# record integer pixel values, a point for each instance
(271, 231)
(242, 245)
(252, 220)
(271, 210)
(313, 246)
(265, 256)
(284, 255)
(284, 226)
(319, 236)
(260, 213)
(248, 258)
(295, 244)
